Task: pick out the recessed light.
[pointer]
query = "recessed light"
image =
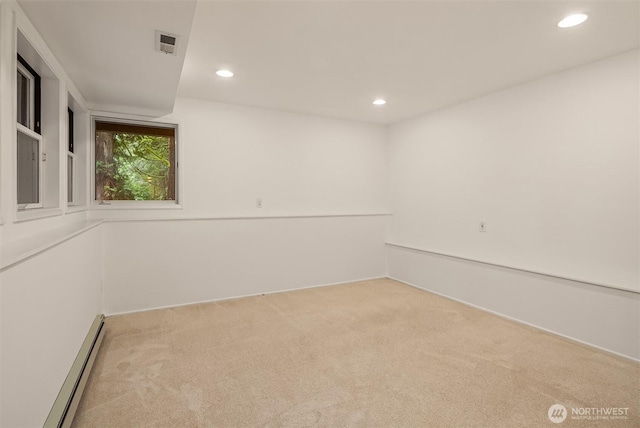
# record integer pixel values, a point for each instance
(573, 20)
(224, 73)
(379, 102)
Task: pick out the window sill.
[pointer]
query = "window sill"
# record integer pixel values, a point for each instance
(36, 213)
(76, 208)
(136, 205)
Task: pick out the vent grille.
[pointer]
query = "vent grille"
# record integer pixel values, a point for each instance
(166, 42)
(169, 40)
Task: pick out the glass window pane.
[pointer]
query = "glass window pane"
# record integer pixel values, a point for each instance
(134, 165)
(28, 169)
(69, 179)
(24, 99)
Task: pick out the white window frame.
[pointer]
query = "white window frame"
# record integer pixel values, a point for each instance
(30, 98)
(71, 156)
(41, 156)
(30, 132)
(135, 205)
(71, 159)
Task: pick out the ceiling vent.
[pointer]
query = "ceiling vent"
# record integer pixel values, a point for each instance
(166, 42)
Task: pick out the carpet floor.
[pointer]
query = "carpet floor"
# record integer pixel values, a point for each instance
(367, 354)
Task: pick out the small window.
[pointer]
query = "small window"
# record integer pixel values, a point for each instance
(29, 155)
(70, 158)
(70, 178)
(29, 142)
(135, 161)
(71, 129)
(25, 89)
(28, 96)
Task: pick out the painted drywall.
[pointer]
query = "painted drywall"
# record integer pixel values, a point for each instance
(47, 304)
(153, 264)
(551, 166)
(602, 317)
(296, 163)
(47, 301)
(229, 156)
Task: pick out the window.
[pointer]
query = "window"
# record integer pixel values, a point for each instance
(70, 158)
(29, 158)
(135, 161)
(29, 140)
(28, 96)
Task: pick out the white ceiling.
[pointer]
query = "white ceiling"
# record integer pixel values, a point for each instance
(108, 49)
(329, 58)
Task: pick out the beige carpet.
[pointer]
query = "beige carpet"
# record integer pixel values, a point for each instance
(368, 354)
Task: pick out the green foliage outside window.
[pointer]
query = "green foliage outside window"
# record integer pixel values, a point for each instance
(134, 167)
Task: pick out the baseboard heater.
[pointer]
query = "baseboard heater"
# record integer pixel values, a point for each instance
(64, 408)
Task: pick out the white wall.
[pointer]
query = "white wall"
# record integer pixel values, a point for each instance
(47, 304)
(153, 264)
(552, 166)
(299, 165)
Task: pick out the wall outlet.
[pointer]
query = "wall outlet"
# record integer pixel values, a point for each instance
(259, 203)
(483, 227)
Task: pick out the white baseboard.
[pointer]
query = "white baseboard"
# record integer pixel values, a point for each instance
(222, 299)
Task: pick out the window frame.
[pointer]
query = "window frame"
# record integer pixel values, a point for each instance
(71, 159)
(135, 204)
(40, 162)
(35, 94)
(71, 179)
(33, 131)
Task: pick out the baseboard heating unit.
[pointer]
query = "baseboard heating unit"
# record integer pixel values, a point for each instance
(66, 403)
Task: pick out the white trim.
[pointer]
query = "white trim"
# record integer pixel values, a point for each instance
(12, 253)
(41, 171)
(272, 217)
(28, 131)
(30, 96)
(34, 214)
(71, 203)
(516, 320)
(584, 281)
(134, 205)
(221, 299)
(72, 209)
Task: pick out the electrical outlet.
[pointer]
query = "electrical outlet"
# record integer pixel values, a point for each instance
(483, 226)
(259, 203)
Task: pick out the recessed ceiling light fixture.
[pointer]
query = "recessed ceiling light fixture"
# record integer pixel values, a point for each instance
(573, 20)
(224, 73)
(379, 102)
